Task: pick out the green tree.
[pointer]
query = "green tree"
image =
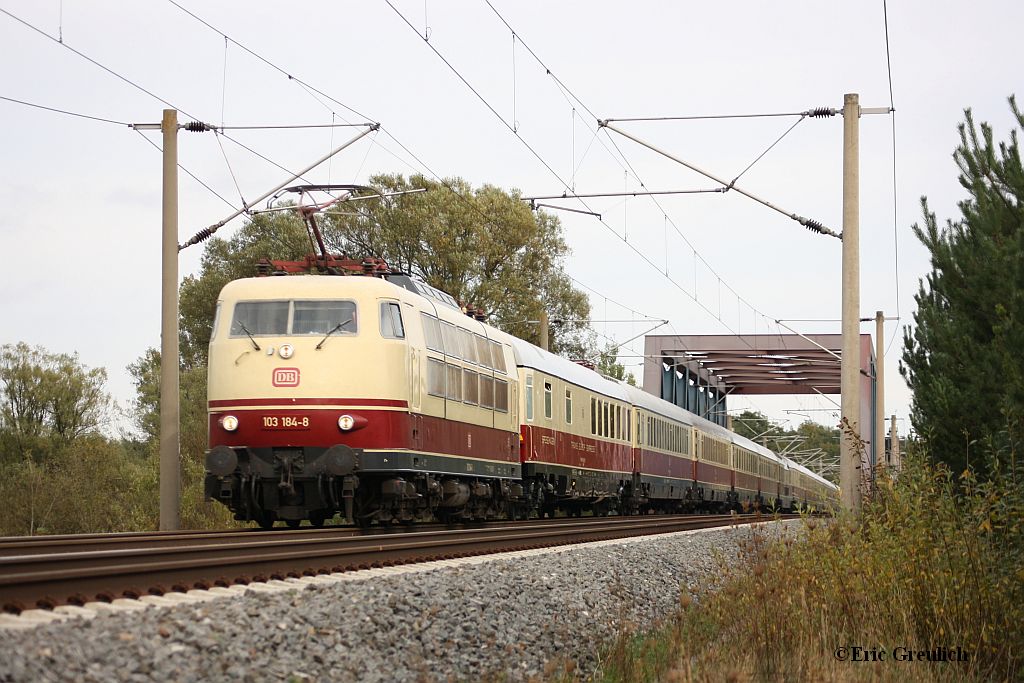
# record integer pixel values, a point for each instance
(608, 364)
(962, 357)
(752, 424)
(483, 246)
(47, 399)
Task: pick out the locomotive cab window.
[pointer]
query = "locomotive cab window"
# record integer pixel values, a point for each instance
(293, 318)
(321, 317)
(391, 321)
(260, 317)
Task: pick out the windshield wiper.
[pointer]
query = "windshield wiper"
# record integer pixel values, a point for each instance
(249, 335)
(333, 330)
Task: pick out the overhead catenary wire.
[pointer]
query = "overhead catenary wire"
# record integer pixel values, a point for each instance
(268, 62)
(895, 203)
(206, 233)
(548, 166)
(816, 112)
(299, 81)
(808, 223)
(196, 125)
(188, 172)
(317, 94)
(94, 62)
(567, 93)
(65, 111)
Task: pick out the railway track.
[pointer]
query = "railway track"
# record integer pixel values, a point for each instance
(50, 571)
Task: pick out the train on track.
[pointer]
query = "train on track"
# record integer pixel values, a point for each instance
(371, 394)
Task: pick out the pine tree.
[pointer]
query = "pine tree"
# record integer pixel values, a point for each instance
(964, 356)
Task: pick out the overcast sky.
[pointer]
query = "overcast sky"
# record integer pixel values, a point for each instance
(80, 200)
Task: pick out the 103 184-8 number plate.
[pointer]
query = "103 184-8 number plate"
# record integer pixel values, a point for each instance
(285, 422)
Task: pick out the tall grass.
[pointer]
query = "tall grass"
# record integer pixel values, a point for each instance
(933, 561)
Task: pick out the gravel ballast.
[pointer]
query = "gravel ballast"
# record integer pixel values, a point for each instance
(507, 618)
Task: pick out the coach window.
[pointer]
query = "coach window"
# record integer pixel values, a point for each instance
(547, 400)
(604, 415)
(593, 415)
(568, 407)
(391, 321)
(529, 398)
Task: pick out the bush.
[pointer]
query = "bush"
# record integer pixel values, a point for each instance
(90, 485)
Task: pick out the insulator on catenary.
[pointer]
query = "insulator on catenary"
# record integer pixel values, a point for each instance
(200, 236)
(821, 112)
(814, 226)
(197, 127)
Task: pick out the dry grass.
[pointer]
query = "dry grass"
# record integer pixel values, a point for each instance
(932, 561)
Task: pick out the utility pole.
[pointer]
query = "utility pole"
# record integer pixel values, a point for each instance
(543, 329)
(849, 456)
(170, 446)
(879, 433)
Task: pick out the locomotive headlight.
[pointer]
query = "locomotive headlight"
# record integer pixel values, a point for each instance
(229, 423)
(346, 422)
(286, 351)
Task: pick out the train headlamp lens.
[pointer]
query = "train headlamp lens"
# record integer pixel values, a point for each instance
(229, 423)
(346, 422)
(286, 351)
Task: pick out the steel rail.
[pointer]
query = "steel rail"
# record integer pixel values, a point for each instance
(11, 546)
(50, 579)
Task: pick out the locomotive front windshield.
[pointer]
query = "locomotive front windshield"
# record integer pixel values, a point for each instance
(283, 318)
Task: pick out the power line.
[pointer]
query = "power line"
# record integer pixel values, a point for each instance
(317, 94)
(568, 93)
(267, 61)
(821, 111)
(895, 203)
(480, 97)
(94, 62)
(555, 173)
(190, 173)
(64, 111)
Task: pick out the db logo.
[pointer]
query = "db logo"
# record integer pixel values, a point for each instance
(285, 377)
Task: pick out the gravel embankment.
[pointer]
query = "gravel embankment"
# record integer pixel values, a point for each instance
(507, 618)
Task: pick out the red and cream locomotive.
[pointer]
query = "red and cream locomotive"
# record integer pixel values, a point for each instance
(377, 397)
